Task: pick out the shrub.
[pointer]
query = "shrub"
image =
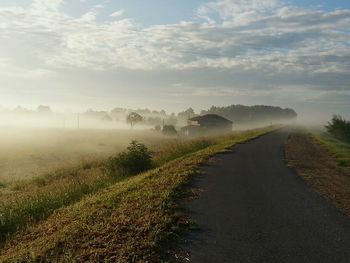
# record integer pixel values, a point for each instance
(169, 130)
(339, 127)
(137, 158)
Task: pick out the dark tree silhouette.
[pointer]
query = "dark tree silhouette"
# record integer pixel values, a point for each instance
(185, 115)
(134, 118)
(169, 130)
(339, 127)
(241, 114)
(44, 109)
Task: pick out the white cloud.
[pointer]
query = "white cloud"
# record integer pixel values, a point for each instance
(88, 17)
(117, 13)
(238, 12)
(279, 38)
(46, 5)
(254, 42)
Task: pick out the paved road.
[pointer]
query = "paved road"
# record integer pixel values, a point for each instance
(254, 209)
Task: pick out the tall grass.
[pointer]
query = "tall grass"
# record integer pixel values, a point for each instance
(35, 201)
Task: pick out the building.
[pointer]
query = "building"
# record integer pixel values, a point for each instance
(207, 124)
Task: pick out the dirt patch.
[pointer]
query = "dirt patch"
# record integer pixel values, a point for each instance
(319, 169)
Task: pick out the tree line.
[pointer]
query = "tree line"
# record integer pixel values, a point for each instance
(241, 114)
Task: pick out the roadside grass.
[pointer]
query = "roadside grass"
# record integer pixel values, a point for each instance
(129, 221)
(179, 148)
(24, 207)
(323, 162)
(339, 149)
(28, 201)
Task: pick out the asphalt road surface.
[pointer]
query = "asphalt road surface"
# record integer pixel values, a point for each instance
(255, 209)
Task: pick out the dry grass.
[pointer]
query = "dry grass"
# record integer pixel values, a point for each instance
(26, 153)
(127, 222)
(314, 162)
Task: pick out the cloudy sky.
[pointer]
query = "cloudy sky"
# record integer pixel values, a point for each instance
(77, 54)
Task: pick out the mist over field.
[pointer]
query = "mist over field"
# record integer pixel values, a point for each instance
(29, 152)
(39, 141)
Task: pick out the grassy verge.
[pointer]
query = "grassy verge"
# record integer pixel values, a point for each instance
(317, 158)
(339, 149)
(126, 222)
(30, 201)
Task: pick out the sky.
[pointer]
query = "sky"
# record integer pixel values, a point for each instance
(165, 54)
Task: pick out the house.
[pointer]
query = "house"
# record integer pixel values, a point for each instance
(207, 124)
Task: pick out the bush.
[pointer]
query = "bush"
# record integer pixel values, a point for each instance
(169, 130)
(137, 158)
(339, 127)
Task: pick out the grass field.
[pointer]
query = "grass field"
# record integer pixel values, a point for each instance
(27, 153)
(127, 220)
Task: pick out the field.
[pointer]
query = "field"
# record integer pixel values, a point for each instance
(84, 214)
(27, 153)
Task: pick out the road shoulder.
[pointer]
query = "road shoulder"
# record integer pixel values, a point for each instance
(314, 163)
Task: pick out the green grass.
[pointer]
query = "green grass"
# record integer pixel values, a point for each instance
(129, 221)
(339, 149)
(33, 200)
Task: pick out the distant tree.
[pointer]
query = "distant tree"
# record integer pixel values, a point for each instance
(172, 120)
(154, 121)
(252, 114)
(98, 115)
(143, 111)
(106, 118)
(118, 111)
(185, 115)
(134, 118)
(339, 127)
(169, 130)
(21, 110)
(44, 109)
(157, 128)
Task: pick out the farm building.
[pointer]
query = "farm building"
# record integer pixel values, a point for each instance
(207, 124)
